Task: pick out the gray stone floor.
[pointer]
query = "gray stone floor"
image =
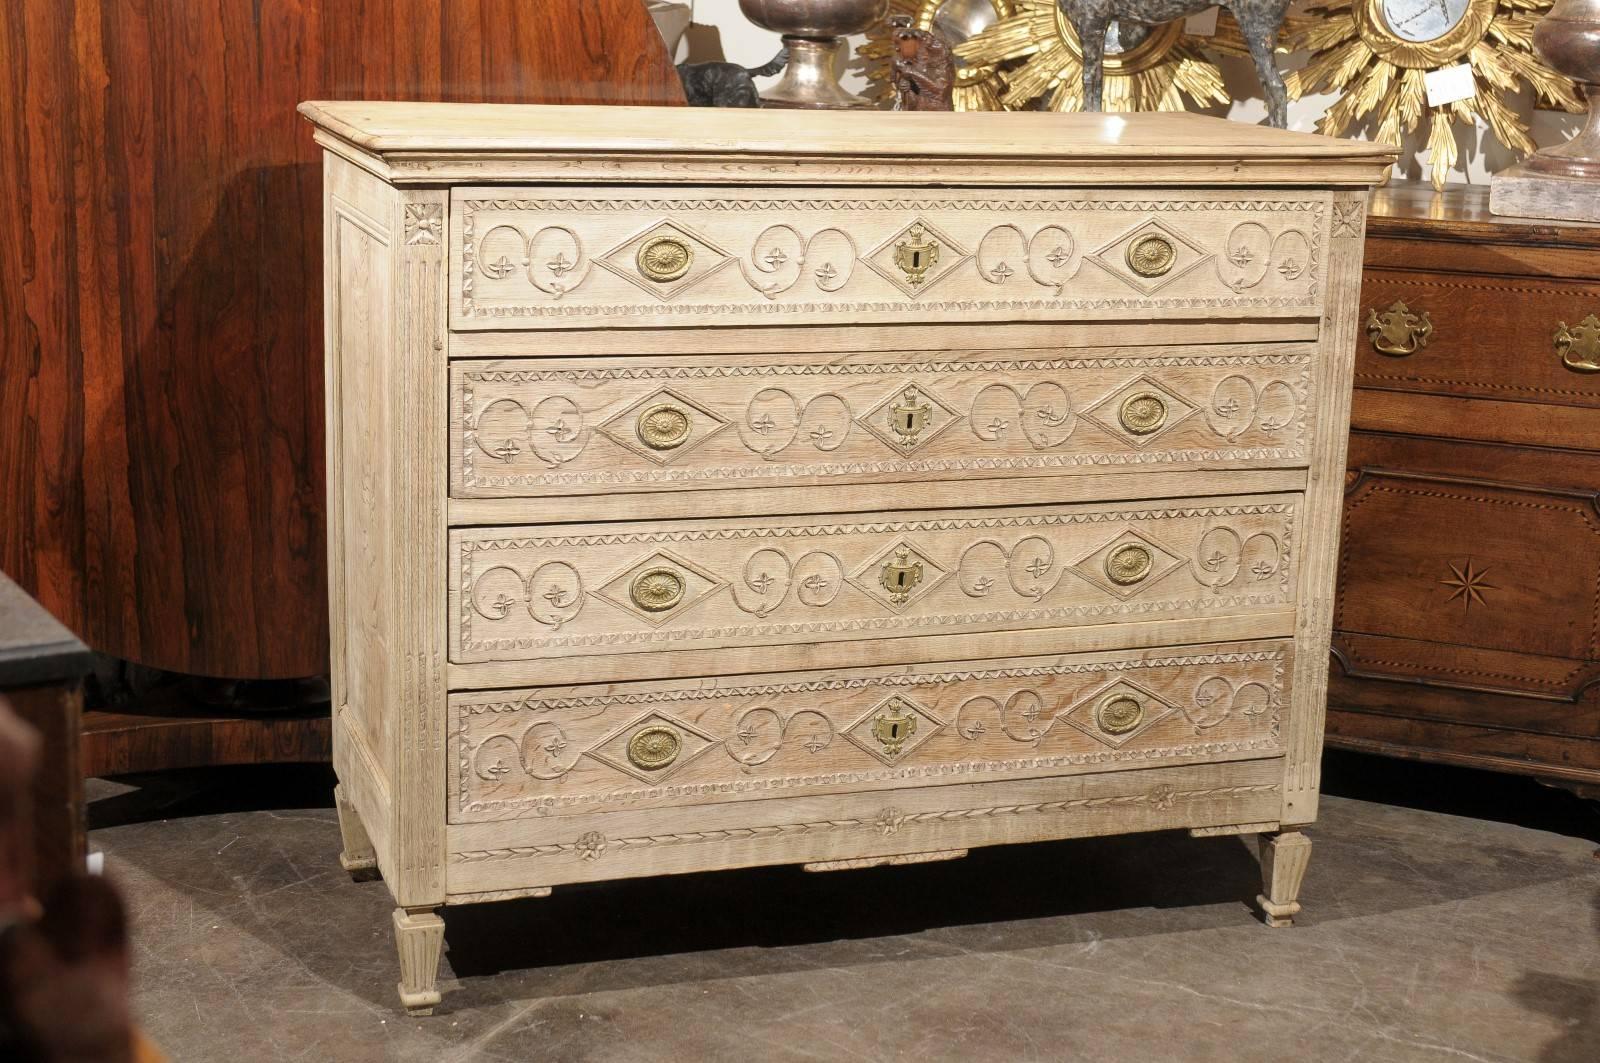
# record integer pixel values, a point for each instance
(1449, 915)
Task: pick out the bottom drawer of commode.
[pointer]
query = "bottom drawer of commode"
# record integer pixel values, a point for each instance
(565, 784)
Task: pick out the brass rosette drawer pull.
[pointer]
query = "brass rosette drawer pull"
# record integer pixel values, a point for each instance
(657, 590)
(1579, 345)
(1143, 413)
(1129, 564)
(1397, 331)
(1151, 256)
(1119, 713)
(664, 426)
(653, 748)
(664, 259)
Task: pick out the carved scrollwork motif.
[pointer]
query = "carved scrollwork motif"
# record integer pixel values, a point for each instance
(1291, 254)
(555, 430)
(774, 420)
(1237, 406)
(553, 594)
(1044, 415)
(1050, 257)
(544, 751)
(761, 733)
(1246, 256)
(815, 579)
(1216, 698)
(553, 258)
(1030, 567)
(1223, 558)
(1022, 717)
(784, 256)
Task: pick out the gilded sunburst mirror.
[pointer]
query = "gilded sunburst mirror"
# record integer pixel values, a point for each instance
(1379, 55)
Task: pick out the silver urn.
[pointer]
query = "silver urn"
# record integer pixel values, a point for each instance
(814, 31)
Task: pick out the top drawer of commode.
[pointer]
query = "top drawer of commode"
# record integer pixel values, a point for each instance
(574, 257)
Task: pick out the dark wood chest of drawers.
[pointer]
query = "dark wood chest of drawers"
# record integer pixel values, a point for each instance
(1467, 620)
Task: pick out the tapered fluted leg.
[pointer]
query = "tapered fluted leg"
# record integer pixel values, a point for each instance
(1283, 867)
(358, 858)
(419, 935)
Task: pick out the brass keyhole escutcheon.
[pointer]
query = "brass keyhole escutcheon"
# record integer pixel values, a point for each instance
(1143, 413)
(1129, 564)
(893, 726)
(900, 576)
(666, 258)
(1119, 714)
(657, 590)
(664, 426)
(1151, 256)
(653, 748)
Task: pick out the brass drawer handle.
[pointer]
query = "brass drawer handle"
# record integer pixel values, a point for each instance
(1119, 713)
(1151, 256)
(1143, 413)
(656, 590)
(666, 258)
(1129, 564)
(664, 426)
(654, 747)
(1579, 346)
(1398, 332)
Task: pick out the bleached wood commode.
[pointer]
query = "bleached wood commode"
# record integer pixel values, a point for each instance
(719, 488)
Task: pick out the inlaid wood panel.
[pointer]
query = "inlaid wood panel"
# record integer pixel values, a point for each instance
(1489, 337)
(553, 258)
(557, 427)
(1469, 583)
(526, 593)
(559, 751)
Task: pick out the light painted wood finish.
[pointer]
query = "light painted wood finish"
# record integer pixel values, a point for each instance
(581, 427)
(562, 258)
(648, 534)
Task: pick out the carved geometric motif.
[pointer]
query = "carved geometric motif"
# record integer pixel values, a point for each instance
(1128, 564)
(893, 728)
(1117, 713)
(659, 588)
(703, 258)
(898, 575)
(909, 418)
(621, 748)
(916, 258)
(1185, 256)
(663, 426)
(1141, 411)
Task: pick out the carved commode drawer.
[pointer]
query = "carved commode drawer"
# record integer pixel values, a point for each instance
(696, 508)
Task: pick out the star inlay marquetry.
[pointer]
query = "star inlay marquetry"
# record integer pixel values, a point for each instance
(1466, 582)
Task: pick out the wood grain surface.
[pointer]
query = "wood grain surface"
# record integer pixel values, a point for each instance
(161, 456)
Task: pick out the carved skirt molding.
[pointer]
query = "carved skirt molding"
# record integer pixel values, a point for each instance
(578, 427)
(589, 257)
(532, 593)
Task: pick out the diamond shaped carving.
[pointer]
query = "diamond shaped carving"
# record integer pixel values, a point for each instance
(1118, 712)
(1141, 411)
(916, 258)
(1128, 565)
(908, 418)
(1180, 255)
(650, 259)
(662, 426)
(894, 727)
(651, 747)
(898, 575)
(659, 588)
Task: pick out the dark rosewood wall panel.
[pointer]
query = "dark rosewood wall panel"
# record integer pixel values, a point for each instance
(160, 290)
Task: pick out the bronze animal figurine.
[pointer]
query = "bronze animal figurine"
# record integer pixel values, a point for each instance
(1259, 21)
(924, 69)
(727, 84)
